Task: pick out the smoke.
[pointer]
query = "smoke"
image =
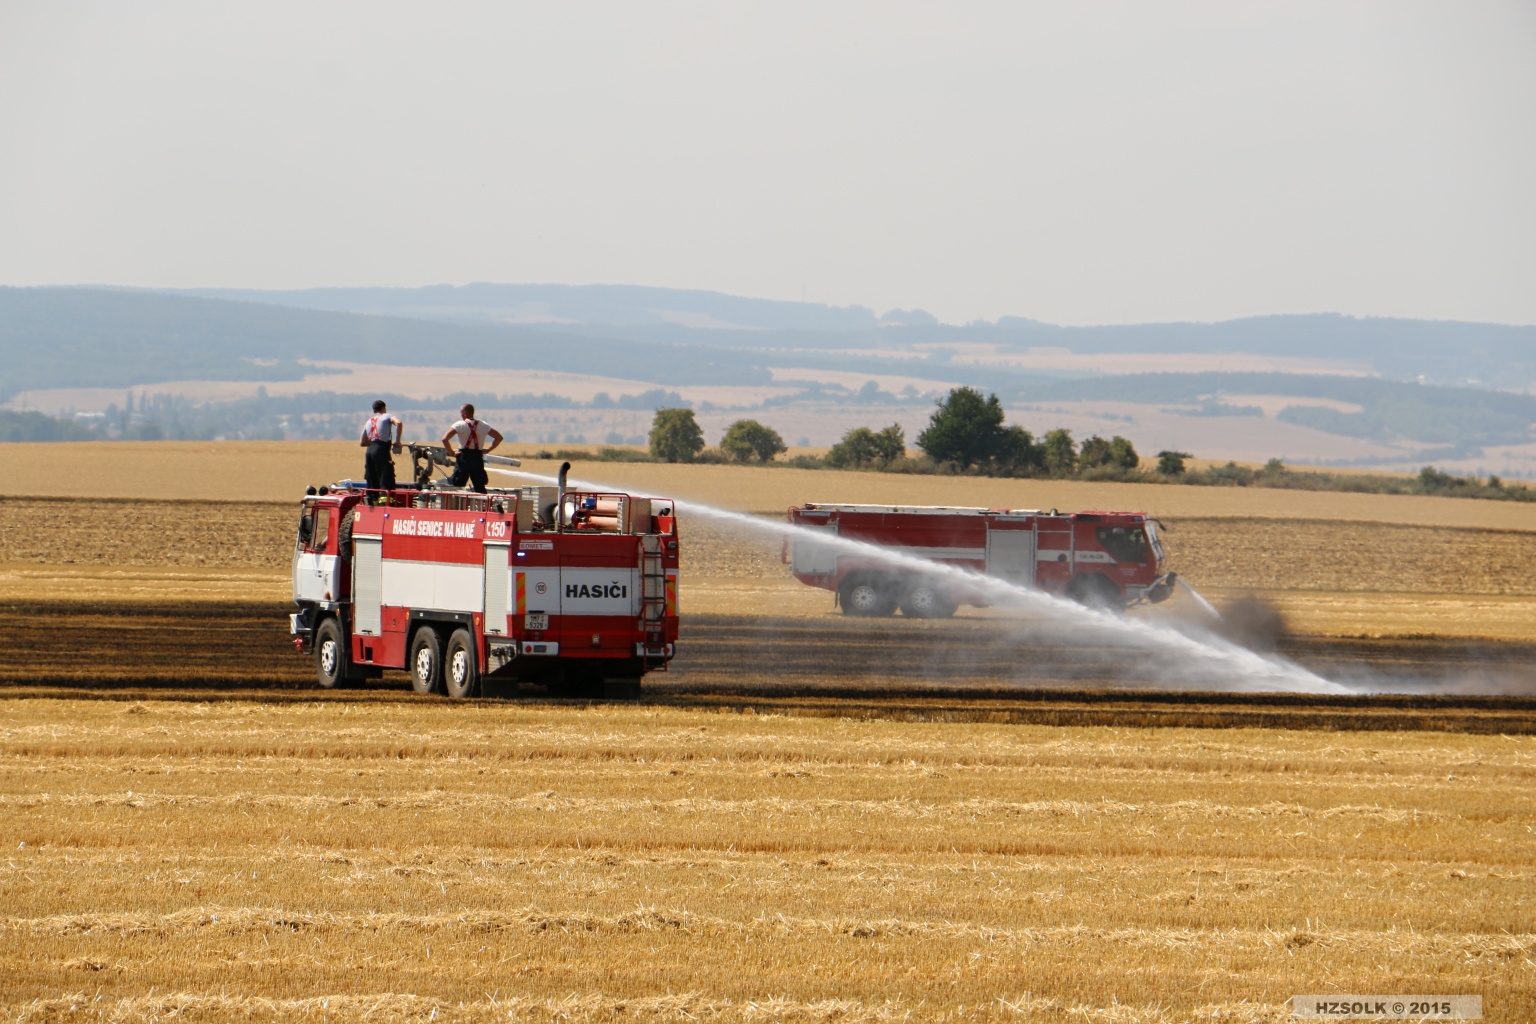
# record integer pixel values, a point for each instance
(1252, 622)
(1186, 659)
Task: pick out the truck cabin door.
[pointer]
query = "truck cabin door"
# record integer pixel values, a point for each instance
(314, 570)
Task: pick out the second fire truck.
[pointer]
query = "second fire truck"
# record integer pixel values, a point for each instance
(1107, 559)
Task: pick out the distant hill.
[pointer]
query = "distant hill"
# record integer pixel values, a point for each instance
(116, 338)
(560, 304)
(1441, 351)
(79, 337)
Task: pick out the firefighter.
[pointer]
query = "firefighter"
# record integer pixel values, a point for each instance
(381, 435)
(469, 461)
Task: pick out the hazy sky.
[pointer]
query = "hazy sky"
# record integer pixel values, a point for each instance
(1071, 162)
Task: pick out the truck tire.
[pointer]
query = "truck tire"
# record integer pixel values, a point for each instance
(330, 655)
(426, 661)
(927, 601)
(344, 535)
(866, 597)
(461, 666)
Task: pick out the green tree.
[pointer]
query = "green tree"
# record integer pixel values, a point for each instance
(967, 431)
(890, 444)
(1171, 463)
(1059, 452)
(1122, 454)
(1017, 454)
(675, 435)
(1116, 453)
(856, 450)
(746, 440)
(1093, 453)
(862, 447)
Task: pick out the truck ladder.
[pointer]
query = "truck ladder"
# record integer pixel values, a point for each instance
(653, 603)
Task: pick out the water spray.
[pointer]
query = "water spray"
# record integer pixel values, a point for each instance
(1218, 660)
(1210, 609)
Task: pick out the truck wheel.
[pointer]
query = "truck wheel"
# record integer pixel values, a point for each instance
(330, 655)
(426, 661)
(866, 597)
(344, 535)
(461, 669)
(927, 601)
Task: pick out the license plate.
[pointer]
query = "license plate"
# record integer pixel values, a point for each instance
(536, 620)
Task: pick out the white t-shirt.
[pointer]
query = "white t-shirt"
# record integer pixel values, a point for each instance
(379, 428)
(471, 433)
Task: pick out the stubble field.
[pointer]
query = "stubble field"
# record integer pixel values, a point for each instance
(348, 860)
(808, 820)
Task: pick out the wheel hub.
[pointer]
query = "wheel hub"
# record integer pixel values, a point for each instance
(863, 597)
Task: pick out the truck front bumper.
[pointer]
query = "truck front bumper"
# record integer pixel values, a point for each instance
(1162, 589)
(301, 626)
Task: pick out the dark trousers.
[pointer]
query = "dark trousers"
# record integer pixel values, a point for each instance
(379, 467)
(469, 467)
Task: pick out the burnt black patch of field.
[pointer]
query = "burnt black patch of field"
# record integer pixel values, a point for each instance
(212, 646)
(898, 653)
(961, 670)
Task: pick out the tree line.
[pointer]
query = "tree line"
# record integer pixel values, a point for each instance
(966, 434)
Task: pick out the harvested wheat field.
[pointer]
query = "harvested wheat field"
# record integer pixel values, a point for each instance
(350, 859)
(280, 470)
(809, 818)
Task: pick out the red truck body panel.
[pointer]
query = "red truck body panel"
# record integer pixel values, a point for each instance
(1106, 557)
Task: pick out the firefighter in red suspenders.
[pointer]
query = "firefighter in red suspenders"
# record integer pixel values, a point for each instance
(469, 461)
(380, 434)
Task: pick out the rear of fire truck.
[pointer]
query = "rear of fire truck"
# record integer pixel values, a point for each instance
(469, 593)
(1102, 559)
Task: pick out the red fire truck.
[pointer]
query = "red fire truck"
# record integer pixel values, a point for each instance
(1107, 559)
(574, 589)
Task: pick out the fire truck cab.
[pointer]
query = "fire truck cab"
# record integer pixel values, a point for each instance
(573, 589)
(1107, 559)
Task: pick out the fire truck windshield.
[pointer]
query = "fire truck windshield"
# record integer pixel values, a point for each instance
(1124, 543)
(320, 532)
